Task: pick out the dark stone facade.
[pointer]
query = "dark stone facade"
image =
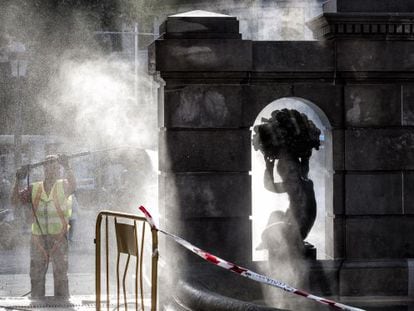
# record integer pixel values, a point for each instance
(360, 74)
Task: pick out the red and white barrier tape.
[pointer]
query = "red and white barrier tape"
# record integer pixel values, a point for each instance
(245, 272)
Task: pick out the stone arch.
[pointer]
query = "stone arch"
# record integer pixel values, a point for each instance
(321, 172)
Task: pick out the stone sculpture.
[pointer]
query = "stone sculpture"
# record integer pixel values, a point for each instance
(288, 138)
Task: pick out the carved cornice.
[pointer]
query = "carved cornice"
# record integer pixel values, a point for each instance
(377, 26)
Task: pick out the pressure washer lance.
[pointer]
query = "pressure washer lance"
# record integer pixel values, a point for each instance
(71, 156)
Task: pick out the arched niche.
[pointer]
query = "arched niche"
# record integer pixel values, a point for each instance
(321, 173)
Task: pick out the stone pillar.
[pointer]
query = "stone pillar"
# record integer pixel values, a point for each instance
(205, 186)
(374, 61)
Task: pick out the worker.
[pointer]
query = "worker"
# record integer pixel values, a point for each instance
(48, 201)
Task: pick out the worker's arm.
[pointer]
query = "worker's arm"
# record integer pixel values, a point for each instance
(70, 185)
(268, 178)
(15, 200)
(17, 195)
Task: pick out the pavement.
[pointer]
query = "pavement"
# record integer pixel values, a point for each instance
(48, 303)
(15, 263)
(15, 282)
(15, 279)
(81, 303)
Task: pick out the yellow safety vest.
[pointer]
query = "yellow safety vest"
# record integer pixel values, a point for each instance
(53, 211)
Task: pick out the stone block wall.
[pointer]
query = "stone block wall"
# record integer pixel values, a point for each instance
(215, 88)
(372, 219)
(205, 176)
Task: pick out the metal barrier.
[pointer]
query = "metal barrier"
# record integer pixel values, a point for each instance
(127, 243)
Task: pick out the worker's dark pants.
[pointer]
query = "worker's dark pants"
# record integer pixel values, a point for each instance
(45, 248)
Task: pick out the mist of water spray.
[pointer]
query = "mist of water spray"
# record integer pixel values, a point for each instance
(82, 98)
(96, 97)
(261, 19)
(289, 267)
(90, 99)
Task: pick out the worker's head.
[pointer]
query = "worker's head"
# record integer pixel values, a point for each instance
(51, 167)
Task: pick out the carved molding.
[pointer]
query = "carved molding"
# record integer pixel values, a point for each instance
(390, 26)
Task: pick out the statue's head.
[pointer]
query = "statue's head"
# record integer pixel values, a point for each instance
(287, 129)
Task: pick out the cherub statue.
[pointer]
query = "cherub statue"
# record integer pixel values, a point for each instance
(288, 138)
